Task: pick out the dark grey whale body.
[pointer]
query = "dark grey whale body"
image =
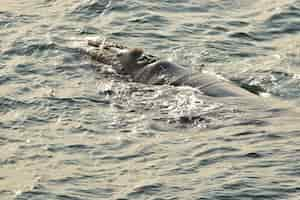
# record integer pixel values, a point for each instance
(151, 70)
(164, 72)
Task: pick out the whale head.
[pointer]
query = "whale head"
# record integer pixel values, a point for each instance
(129, 59)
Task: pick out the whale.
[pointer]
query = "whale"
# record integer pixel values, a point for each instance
(164, 72)
(150, 69)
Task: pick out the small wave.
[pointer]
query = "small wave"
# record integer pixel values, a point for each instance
(284, 22)
(149, 189)
(8, 19)
(27, 49)
(73, 148)
(88, 9)
(44, 195)
(247, 36)
(277, 83)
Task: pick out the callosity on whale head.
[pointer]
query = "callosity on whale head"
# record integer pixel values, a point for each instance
(129, 59)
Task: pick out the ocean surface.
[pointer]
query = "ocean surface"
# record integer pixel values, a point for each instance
(70, 129)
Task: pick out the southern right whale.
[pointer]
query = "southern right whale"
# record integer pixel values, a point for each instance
(165, 72)
(151, 70)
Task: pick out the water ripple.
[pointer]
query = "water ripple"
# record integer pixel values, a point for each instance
(74, 129)
(90, 8)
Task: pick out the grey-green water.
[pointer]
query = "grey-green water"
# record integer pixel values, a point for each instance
(69, 131)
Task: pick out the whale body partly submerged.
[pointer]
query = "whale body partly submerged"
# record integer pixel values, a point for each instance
(154, 71)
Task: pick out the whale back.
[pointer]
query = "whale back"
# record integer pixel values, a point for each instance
(164, 72)
(212, 85)
(160, 72)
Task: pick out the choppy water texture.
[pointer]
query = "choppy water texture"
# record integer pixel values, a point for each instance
(71, 129)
